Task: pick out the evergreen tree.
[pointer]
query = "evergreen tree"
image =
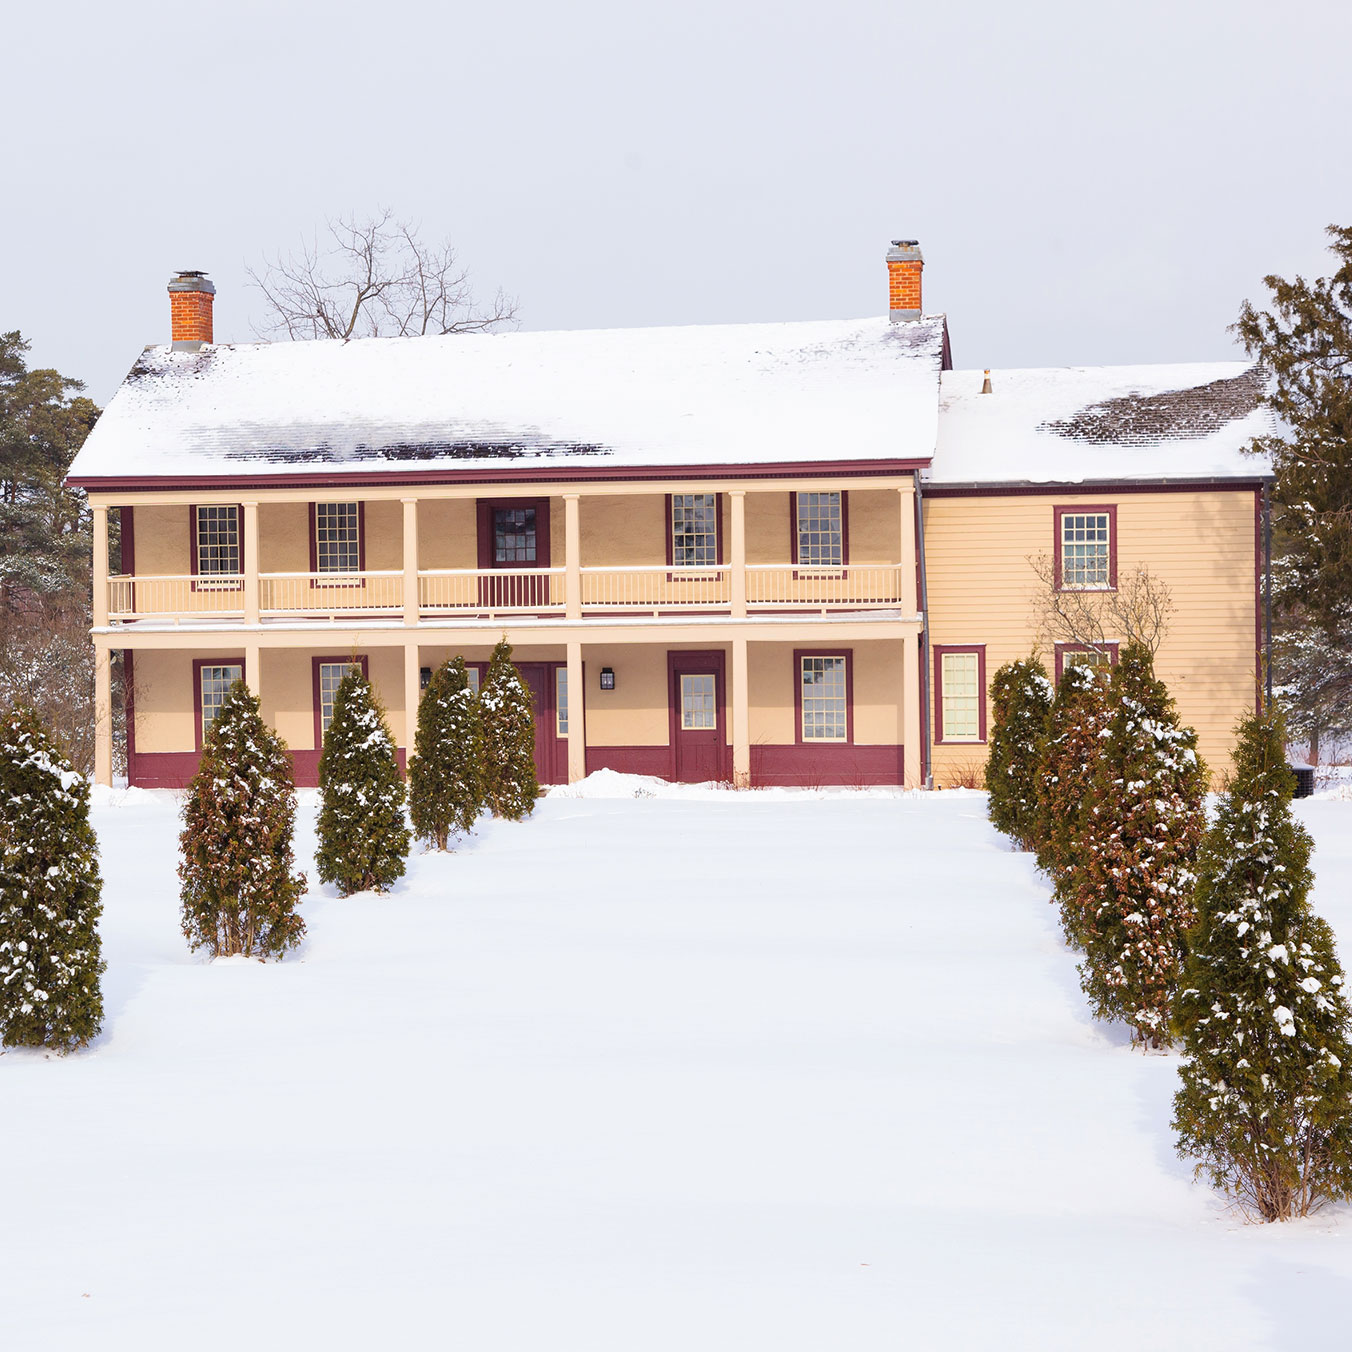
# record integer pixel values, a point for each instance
(1265, 1105)
(237, 886)
(1021, 699)
(510, 787)
(444, 779)
(1070, 754)
(363, 837)
(50, 889)
(1139, 854)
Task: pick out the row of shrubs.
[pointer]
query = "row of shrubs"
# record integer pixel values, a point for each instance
(1196, 935)
(239, 887)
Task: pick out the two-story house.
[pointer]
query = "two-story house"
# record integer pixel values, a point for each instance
(763, 553)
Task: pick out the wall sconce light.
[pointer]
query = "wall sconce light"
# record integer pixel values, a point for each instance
(607, 679)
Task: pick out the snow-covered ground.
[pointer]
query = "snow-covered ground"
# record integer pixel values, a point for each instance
(693, 1071)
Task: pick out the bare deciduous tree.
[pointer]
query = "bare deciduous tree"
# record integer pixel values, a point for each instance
(372, 277)
(1137, 610)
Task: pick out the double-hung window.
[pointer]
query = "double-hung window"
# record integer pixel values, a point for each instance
(819, 530)
(1086, 548)
(694, 530)
(214, 679)
(337, 542)
(823, 697)
(960, 681)
(328, 677)
(216, 545)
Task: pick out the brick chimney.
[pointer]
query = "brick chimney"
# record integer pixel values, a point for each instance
(905, 263)
(190, 299)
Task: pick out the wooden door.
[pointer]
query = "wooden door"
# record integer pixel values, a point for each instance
(513, 536)
(698, 734)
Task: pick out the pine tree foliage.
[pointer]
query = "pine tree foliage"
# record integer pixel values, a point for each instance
(363, 835)
(510, 787)
(1304, 344)
(1265, 1105)
(237, 884)
(1021, 700)
(50, 890)
(445, 777)
(1071, 750)
(1137, 866)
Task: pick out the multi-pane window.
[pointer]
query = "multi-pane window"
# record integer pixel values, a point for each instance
(1085, 546)
(699, 708)
(1086, 657)
(218, 541)
(514, 535)
(961, 712)
(821, 540)
(337, 537)
(215, 681)
(694, 530)
(825, 712)
(561, 700)
(330, 678)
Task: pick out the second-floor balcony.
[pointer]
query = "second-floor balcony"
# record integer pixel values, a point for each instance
(488, 593)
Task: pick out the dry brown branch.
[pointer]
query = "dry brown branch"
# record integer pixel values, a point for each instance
(1137, 610)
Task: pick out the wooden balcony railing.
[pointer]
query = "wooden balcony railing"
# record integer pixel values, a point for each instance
(654, 589)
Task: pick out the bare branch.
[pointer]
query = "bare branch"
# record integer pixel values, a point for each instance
(1137, 610)
(374, 276)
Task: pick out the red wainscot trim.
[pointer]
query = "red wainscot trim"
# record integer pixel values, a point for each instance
(817, 764)
(305, 767)
(774, 469)
(844, 532)
(939, 650)
(314, 544)
(1085, 509)
(1063, 648)
(161, 769)
(654, 761)
(798, 655)
(192, 548)
(197, 664)
(347, 659)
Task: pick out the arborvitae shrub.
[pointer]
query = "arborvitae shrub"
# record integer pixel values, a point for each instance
(363, 836)
(239, 889)
(1265, 1105)
(50, 956)
(510, 787)
(1021, 699)
(1141, 837)
(1070, 752)
(445, 777)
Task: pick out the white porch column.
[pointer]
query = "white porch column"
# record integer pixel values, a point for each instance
(412, 694)
(100, 600)
(103, 709)
(410, 562)
(572, 565)
(250, 563)
(577, 714)
(741, 713)
(737, 557)
(910, 605)
(253, 668)
(910, 710)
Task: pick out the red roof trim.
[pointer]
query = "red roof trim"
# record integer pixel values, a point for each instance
(778, 469)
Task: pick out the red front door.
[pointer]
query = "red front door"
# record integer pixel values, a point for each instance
(698, 734)
(551, 750)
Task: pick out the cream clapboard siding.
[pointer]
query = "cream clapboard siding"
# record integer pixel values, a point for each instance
(1201, 544)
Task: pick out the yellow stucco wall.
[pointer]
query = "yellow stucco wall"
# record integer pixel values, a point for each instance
(1201, 545)
(161, 541)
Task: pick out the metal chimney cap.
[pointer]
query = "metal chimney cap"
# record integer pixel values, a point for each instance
(189, 279)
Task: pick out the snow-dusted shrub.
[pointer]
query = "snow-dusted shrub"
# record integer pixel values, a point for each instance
(50, 956)
(1021, 698)
(238, 887)
(1265, 1105)
(1070, 753)
(510, 787)
(1136, 872)
(446, 773)
(363, 836)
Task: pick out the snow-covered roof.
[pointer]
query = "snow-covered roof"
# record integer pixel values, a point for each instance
(1106, 423)
(743, 394)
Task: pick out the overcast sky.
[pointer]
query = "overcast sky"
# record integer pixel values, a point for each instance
(1091, 183)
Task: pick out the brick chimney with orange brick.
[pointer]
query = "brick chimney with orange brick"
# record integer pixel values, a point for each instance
(190, 299)
(905, 263)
